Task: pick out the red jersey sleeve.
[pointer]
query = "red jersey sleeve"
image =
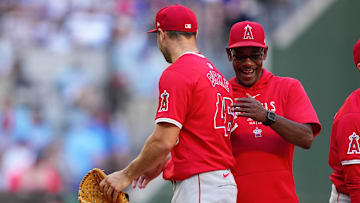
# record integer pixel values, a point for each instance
(174, 98)
(299, 107)
(347, 138)
(352, 181)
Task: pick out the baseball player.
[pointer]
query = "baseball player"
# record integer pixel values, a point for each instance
(193, 121)
(274, 114)
(344, 153)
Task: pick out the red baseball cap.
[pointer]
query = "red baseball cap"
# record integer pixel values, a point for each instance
(247, 34)
(175, 18)
(356, 52)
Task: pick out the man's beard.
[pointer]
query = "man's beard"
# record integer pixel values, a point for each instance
(166, 55)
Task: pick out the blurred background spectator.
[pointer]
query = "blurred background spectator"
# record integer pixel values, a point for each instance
(78, 83)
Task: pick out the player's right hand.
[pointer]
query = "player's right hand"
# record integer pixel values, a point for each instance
(249, 107)
(113, 184)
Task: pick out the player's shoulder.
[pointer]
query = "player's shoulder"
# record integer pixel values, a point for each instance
(352, 103)
(347, 118)
(172, 72)
(286, 80)
(353, 99)
(184, 69)
(286, 83)
(355, 95)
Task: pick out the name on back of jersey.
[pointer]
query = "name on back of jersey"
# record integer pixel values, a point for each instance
(217, 79)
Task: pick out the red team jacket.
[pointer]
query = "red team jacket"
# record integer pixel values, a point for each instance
(344, 153)
(263, 158)
(197, 98)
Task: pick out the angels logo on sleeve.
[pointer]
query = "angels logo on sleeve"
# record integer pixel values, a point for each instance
(354, 147)
(164, 101)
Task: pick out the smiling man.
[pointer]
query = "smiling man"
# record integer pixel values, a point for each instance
(274, 114)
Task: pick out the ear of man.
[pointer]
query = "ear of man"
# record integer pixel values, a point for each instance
(228, 53)
(265, 53)
(358, 66)
(161, 34)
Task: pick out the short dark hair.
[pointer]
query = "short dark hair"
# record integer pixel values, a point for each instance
(177, 34)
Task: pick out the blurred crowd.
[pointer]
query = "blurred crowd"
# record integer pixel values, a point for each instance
(78, 81)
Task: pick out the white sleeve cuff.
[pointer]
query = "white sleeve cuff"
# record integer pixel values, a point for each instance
(169, 120)
(349, 162)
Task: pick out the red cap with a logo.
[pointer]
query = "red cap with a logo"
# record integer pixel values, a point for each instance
(175, 18)
(356, 52)
(247, 34)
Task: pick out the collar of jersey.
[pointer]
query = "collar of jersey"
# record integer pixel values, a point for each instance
(191, 52)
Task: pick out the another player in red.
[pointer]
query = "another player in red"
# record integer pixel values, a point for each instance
(193, 121)
(344, 154)
(274, 114)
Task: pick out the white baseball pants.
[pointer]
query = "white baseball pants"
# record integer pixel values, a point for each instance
(209, 187)
(337, 197)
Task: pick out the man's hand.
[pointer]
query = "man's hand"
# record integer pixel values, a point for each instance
(113, 184)
(154, 153)
(250, 107)
(148, 176)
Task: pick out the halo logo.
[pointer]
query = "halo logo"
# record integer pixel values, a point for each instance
(164, 101)
(248, 33)
(354, 147)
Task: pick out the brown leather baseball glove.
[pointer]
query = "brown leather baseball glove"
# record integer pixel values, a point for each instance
(89, 188)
